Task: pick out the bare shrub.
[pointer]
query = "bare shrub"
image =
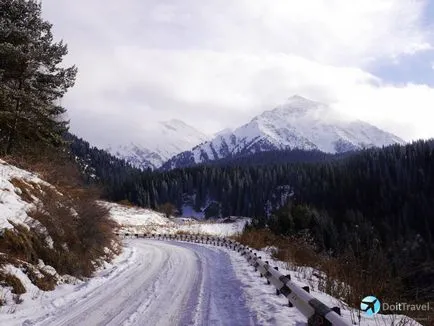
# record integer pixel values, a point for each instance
(95, 230)
(126, 202)
(346, 277)
(26, 189)
(12, 281)
(258, 239)
(18, 243)
(81, 230)
(168, 209)
(47, 282)
(40, 278)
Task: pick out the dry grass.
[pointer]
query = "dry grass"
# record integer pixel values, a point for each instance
(47, 282)
(80, 229)
(40, 278)
(13, 282)
(126, 203)
(19, 243)
(26, 190)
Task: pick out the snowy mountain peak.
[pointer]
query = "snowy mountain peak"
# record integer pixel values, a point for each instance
(296, 123)
(297, 99)
(175, 123)
(158, 143)
(179, 129)
(297, 106)
(223, 132)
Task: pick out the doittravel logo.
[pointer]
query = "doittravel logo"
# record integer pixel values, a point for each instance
(370, 305)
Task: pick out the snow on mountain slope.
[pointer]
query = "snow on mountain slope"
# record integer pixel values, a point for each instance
(159, 143)
(142, 220)
(297, 123)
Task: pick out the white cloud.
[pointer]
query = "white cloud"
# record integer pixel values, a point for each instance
(407, 110)
(330, 31)
(215, 64)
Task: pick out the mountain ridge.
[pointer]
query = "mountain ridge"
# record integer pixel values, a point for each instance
(298, 123)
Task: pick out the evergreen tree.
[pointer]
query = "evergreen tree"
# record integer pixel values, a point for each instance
(31, 79)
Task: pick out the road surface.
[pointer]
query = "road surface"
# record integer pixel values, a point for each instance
(158, 283)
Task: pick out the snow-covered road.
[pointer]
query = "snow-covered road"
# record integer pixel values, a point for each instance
(152, 283)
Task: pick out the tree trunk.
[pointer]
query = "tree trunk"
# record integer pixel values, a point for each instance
(13, 130)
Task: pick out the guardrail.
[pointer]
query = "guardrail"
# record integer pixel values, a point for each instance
(316, 312)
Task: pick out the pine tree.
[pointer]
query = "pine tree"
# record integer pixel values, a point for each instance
(31, 79)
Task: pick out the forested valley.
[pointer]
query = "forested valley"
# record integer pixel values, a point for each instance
(376, 205)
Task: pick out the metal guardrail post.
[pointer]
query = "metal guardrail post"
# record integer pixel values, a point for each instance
(277, 290)
(316, 312)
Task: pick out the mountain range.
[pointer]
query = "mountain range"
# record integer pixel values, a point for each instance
(160, 143)
(297, 123)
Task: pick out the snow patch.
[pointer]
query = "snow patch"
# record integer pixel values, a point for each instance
(12, 206)
(139, 220)
(133, 216)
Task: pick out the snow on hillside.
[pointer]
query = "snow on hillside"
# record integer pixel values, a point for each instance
(27, 243)
(217, 228)
(141, 220)
(297, 123)
(12, 206)
(132, 216)
(158, 143)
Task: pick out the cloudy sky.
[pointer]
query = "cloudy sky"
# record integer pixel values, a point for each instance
(215, 64)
